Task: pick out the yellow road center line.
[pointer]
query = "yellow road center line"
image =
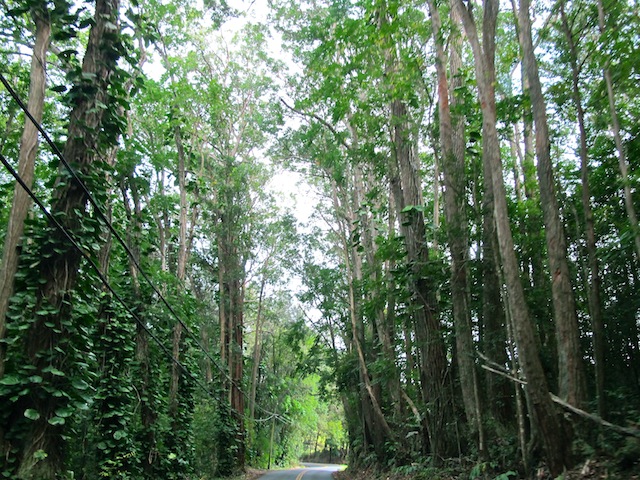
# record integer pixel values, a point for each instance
(299, 477)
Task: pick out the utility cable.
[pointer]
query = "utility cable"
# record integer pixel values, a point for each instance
(104, 219)
(104, 280)
(111, 228)
(110, 288)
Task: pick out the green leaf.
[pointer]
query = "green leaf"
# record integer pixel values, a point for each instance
(31, 414)
(79, 384)
(64, 412)
(35, 379)
(53, 371)
(40, 455)
(417, 208)
(119, 434)
(10, 380)
(56, 421)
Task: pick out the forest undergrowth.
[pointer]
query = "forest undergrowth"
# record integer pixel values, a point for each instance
(595, 468)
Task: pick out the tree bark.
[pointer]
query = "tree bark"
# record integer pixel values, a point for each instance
(455, 206)
(434, 371)
(550, 424)
(595, 302)
(623, 163)
(181, 271)
(231, 308)
(257, 346)
(571, 379)
(375, 424)
(26, 166)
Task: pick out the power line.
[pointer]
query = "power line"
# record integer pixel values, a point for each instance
(111, 228)
(106, 283)
(104, 280)
(102, 217)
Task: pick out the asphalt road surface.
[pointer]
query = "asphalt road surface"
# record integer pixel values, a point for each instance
(312, 471)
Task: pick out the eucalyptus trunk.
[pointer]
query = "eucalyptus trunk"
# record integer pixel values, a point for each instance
(434, 368)
(595, 302)
(26, 166)
(375, 273)
(623, 163)
(571, 376)
(257, 347)
(455, 212)
(549, 422)
(376, 430)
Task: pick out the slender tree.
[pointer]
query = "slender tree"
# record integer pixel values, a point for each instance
(26, 163)
(454, 205)
(623, 163)
(546, 417)
(572, 382)
(595, 302)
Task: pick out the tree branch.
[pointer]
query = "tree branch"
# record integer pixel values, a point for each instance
(319, 119)
(629, 431)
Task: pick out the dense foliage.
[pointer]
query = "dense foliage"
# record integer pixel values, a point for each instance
(464, 287)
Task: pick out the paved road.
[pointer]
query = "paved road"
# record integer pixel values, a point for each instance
(312, 471)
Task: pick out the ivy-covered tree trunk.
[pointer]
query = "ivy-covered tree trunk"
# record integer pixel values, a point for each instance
(231, 311)
(143, 373)
(26, 164)
(51, 339)
(181, 271)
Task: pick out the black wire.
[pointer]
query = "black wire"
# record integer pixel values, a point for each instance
(104, 280)
(115, 233)
(104, 219)
(97, 208)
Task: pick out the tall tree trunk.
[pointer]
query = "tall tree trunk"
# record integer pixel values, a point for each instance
(375, 422)
(181, 271)
(434, 371)
(257, 346)
(595, 303)
(623, 164)
(571, 379)
(455, 206)
(532, 250)
(494, 333)
(550, 424)
(367, 228)
(148, 414)
(26, 166)
(60, 261)
(231, 312)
